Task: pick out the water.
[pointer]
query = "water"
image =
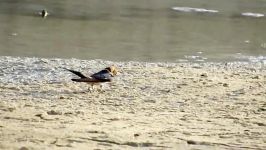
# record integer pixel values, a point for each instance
(139, 30)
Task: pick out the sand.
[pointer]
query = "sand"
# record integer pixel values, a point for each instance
(147, 106)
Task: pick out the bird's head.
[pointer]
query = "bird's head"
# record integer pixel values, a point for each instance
(112, 70)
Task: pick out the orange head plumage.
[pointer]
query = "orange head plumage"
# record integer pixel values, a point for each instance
(112, 70)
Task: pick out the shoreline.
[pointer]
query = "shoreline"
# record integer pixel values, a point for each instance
(234, 58)
(148, 105)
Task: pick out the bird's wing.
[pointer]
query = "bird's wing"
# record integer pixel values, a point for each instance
(103, 76)
(77, 73)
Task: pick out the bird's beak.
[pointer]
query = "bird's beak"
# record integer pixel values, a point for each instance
(114, 72)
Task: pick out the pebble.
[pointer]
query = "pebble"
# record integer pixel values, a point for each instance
(255, 77)
(191, 142)
(23, 148)
(204, 75)
(260, 124)
(225, 85)
(52, 112)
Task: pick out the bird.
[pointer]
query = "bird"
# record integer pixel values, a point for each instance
(44, 13)
(102, 76)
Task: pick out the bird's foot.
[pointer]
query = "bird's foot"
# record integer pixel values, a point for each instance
(90, 89)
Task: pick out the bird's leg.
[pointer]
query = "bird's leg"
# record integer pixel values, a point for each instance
(101, 88)
(91, 88)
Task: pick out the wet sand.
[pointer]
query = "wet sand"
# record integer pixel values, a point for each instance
(147, 106)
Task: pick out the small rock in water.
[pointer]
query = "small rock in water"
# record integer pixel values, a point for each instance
(44, 13)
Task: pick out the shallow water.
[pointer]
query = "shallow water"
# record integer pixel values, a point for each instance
(122, 30)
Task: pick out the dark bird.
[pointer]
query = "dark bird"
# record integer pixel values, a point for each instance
(102, 76)
(44, 13)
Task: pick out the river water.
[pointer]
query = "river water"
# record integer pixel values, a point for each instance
(135, 30)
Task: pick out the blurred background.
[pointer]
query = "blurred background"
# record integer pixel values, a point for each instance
(135, 30)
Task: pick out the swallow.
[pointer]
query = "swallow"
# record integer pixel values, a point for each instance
(102, 76)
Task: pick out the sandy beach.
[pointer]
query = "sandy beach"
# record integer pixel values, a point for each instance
(147, 106)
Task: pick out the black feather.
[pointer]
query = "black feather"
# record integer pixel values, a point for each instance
(77, 73)
(102, 75)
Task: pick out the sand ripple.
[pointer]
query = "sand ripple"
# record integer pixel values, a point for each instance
(149, 105)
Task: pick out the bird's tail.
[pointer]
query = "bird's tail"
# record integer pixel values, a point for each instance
(88, 80)
(76, 73)
(77, 80)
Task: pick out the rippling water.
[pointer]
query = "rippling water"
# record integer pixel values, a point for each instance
(121, 30)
